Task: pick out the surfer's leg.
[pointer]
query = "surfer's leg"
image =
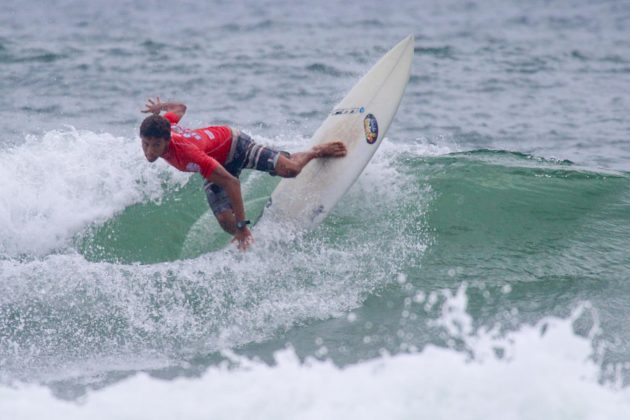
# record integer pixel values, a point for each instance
(250, 155)
(291, 166)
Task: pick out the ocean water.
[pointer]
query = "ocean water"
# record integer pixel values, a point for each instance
(478, 269)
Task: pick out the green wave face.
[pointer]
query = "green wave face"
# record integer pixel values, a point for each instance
(482, 209)
(524, 219)
(180, 226)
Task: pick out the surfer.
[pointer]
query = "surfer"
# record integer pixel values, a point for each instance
(219, 154)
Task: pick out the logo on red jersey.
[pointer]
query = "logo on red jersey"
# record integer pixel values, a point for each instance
(192, 167)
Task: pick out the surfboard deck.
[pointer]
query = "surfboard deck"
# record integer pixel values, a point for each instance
(361, 121)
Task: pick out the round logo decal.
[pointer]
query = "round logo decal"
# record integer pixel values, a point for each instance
(371, 128)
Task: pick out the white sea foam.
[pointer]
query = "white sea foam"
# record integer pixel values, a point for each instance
(547, 372)
(240, 299)
(54, 186)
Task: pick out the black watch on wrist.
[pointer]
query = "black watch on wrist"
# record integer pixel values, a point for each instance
(241, 224)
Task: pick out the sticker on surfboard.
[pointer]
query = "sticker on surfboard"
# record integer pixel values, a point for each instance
(346, 111)
(371, 128)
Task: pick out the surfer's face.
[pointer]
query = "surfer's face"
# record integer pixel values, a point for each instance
(153, 147)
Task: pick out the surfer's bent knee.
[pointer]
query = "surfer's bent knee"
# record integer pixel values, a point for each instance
(287, 168)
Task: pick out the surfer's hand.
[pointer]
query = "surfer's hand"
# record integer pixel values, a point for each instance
(243, 238)
(153, 107)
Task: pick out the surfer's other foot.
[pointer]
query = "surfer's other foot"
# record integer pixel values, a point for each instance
(332, 149)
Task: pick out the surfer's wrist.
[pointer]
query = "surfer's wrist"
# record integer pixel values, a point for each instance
(242, 224)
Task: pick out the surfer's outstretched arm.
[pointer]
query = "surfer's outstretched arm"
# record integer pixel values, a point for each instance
(155, 107)
(290, 167)
(232, 186)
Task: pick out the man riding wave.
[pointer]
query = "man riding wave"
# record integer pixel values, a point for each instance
(219, 154)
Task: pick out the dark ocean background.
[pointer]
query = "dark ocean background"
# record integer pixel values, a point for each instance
(479, 267)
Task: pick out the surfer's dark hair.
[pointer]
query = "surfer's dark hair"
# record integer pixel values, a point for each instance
(155, 126)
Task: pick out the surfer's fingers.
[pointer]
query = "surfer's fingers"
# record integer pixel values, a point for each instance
(237, 242)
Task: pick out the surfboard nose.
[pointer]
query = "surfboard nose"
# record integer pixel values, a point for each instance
(403, 47)
(408, 40)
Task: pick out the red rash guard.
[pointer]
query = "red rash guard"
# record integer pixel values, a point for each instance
(201, 150)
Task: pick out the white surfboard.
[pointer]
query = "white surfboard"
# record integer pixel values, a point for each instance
(360, 120)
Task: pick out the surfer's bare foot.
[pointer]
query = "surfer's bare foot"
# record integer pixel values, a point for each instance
(332, 149)
(291, 166)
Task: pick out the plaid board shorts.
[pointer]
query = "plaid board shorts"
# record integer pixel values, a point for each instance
(247, 154)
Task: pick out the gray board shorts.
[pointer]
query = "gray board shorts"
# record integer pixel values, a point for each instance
(245, 154)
